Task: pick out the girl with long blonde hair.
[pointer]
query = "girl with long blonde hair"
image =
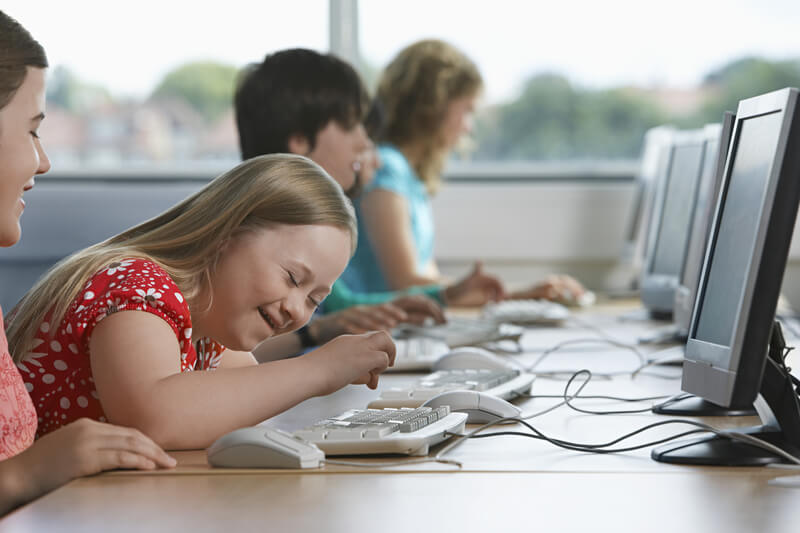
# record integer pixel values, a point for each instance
(153, 328)
(427, 95)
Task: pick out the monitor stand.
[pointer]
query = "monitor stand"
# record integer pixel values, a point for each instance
(645, 315)
(778, 405)
(691, 405)
(666, 335)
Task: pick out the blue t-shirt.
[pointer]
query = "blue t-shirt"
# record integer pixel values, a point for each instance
(364, 274)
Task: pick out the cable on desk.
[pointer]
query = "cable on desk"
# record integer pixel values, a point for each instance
(521, 418)
(569, 398)
(604, 448)
(558, 374)
(435, 459)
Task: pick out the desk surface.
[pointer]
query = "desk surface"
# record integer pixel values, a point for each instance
(505, 481)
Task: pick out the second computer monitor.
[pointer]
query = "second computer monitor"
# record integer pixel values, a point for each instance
(652, 168)
(707, 195)
(675, 202)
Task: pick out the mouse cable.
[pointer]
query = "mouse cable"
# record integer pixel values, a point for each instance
(604, 448)
(435, 459)
(561, 374)
(508, 420)
(588, 325)
(568, 398)
(588, 340)
(578, 396)
(565, 374)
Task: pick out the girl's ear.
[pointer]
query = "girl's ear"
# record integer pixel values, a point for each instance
(298, 144)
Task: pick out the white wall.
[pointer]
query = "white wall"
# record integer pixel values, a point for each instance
(524, 230)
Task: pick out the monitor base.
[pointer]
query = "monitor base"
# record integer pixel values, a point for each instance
(721, 451)
(645, 315)
(779, 409)
(689, 405)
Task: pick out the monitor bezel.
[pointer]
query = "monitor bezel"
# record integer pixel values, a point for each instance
(739, 382)
(701, 226)
(652, 168)
(658, 289)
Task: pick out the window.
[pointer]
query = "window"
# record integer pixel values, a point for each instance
(150, 85)
(582, 80)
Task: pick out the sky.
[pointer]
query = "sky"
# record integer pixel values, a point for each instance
(129, 46)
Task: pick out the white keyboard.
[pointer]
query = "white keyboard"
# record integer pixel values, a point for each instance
(529, 312)
(382, 431)
(457, 332)
(506, 384)
(417, 353)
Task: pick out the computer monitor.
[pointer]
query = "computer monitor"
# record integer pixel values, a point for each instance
(726, 354)
(675, 204)
(707, 194)
(652, 169)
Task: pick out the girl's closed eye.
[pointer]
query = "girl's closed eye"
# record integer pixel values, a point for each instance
(292, 278)
(35, 134)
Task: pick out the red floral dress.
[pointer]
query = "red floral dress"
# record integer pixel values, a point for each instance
(57, 371)
(17, 415)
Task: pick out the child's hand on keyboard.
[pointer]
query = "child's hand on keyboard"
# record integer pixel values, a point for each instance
(477, 289)
(357, 319)
(356, 359)
(558, 288)
(419, 308)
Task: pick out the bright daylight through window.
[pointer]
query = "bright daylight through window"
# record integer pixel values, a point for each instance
(570, 81)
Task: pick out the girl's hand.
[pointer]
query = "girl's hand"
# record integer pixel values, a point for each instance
(477, 289)
(357, 359)
(86, 447)
(419, 307)
(559, 288)
(82, 448)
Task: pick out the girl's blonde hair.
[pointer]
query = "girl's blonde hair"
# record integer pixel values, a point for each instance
(186, 240)
(413, 95)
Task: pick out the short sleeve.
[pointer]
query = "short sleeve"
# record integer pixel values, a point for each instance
(131, 284)
(394, 173)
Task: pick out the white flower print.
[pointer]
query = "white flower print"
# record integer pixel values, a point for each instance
(118, 266)
(208, 354)
(112, 306)
(31, 358)
(151, 297)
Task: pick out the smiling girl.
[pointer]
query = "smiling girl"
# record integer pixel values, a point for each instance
(27, 468)
(153, 328)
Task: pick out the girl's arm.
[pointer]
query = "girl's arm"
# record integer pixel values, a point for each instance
(386, 217)
(135, 361)
(342, 297)
(387, 220)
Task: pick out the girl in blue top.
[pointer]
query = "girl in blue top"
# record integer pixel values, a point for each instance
(427, 96)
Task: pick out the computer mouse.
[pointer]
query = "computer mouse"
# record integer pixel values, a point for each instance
(471, 357)
(568, 298)
(480, 407)
(263, 447)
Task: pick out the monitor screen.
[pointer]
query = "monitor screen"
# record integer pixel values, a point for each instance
(738, 228)
(678, 206)
(653, 169)
(718, 140)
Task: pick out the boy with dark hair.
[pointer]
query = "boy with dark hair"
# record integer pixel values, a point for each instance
(303, 102)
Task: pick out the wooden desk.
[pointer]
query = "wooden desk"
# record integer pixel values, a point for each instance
(505, 481)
